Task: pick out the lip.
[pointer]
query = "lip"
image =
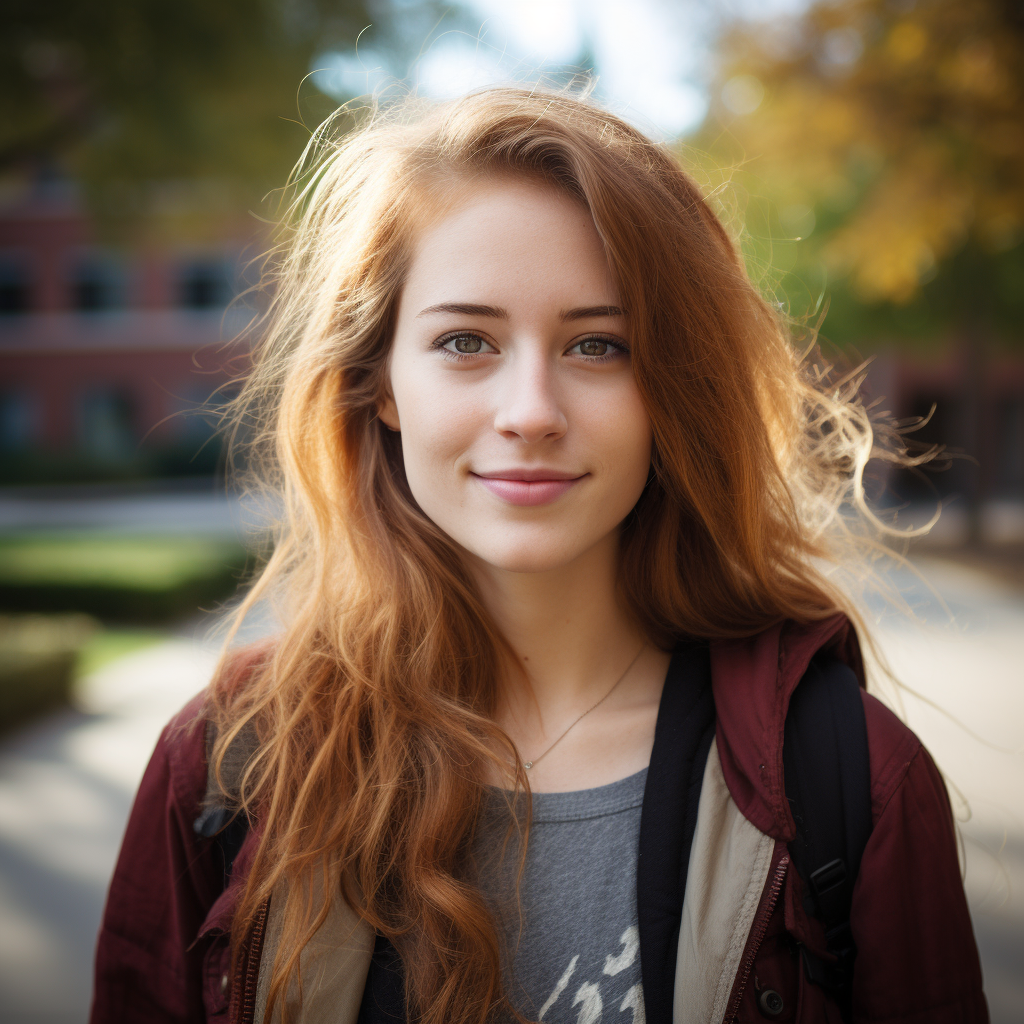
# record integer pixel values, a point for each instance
(536, 486)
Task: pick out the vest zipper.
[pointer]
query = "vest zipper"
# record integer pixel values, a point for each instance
(249, 968)
(757, 931)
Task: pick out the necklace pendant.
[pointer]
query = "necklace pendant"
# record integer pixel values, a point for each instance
(527, 765)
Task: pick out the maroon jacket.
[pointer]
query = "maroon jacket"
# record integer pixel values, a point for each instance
(163, 953)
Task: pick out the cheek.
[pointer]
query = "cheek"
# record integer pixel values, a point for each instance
(437, 423)
(620, 430)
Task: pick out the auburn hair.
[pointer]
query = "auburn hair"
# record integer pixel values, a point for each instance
(373, 709)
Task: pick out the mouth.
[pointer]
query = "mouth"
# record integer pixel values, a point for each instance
(528, 486)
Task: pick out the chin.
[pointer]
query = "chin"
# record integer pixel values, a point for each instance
(528, 554)
(525, 562)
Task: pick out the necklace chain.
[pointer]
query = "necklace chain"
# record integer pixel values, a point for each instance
(529, 764)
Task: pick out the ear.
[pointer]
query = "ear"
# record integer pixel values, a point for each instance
(387, 413)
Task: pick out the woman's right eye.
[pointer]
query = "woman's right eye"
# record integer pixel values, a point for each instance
(465, 345)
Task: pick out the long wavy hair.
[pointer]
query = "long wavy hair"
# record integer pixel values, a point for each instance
(373, 709)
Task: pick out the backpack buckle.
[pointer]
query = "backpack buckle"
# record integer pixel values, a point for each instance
(828, 877)
(212, 821)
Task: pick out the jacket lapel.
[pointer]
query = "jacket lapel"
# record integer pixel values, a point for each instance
(333, 967)
(729, 864)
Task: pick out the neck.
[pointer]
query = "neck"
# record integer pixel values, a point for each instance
(571, 635)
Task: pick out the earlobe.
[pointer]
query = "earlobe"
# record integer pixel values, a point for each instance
(387, 412)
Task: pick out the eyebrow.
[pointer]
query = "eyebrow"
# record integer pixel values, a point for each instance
(589, 312)
(466, 309)
(473, 309)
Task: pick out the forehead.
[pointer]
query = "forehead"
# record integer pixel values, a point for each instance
(510, 236)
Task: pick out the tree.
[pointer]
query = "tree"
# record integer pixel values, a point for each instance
(887, 134)
(126, 93)
(890, 133)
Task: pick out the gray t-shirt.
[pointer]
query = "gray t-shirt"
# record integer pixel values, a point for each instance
(574, 955)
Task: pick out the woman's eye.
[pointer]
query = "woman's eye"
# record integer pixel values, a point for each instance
(598, 348)
(466, 344)
(594, 347)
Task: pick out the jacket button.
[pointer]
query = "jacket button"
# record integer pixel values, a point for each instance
(224, 983)
(771, 1003)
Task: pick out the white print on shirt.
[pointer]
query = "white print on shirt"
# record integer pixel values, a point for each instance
(634, 1000)
(589, 994)
(630, 939)
(563, 981)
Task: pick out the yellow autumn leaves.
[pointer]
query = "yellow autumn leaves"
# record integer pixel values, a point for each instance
(907, 126)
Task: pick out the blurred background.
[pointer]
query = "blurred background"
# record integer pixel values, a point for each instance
(868, 155)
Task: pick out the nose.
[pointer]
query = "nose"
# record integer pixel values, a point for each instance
(528, 406)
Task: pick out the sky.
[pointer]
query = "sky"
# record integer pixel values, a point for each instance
(654, 57)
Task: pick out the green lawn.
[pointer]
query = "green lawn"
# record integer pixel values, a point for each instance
(107, 645)
(121, 579)
(71, 603)
(151, 563)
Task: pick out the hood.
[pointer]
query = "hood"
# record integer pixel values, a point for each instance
(753, 679)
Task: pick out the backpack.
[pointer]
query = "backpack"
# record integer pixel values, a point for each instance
(828, 787)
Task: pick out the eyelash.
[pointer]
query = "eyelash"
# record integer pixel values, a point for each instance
(616, 346)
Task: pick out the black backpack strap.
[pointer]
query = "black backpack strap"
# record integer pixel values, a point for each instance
(683, 734)
(828, 785)
(228, 829)
(384, 993)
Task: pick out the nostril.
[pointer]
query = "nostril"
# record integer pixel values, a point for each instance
(533, 422)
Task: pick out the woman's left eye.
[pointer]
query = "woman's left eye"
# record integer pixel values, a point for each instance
(597, 348)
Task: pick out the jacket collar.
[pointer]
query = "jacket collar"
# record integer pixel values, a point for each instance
(753, 679)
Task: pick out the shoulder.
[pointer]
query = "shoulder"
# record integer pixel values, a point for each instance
(181, 750)
(185, 741)
(168, 879)
(893, 750)
(754, 680)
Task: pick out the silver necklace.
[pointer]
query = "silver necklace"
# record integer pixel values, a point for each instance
(529, 764)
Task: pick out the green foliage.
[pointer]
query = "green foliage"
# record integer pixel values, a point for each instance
(888, 138)
(121, 578)
(106, 645)
(38, 658)
(127, 93)
(148, 462)
(42, 656)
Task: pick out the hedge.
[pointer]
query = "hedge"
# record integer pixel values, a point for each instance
(38, 658)
(134, 579)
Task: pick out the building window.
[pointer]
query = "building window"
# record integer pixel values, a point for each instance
(206, 284)
(1010, 480)
(97, 284)
(942, 477)
(107, 424)
(14, 285)
(19, 420)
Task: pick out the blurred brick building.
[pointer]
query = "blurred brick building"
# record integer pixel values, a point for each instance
(107, 353)
(974, 404)
(105, 356)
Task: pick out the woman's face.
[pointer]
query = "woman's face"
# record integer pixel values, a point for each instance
(523, 433)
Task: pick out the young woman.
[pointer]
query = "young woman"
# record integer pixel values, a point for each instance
(557, 498)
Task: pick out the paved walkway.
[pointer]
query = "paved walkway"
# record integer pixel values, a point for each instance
(202, 507)
(66, 786)
(971, 716)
